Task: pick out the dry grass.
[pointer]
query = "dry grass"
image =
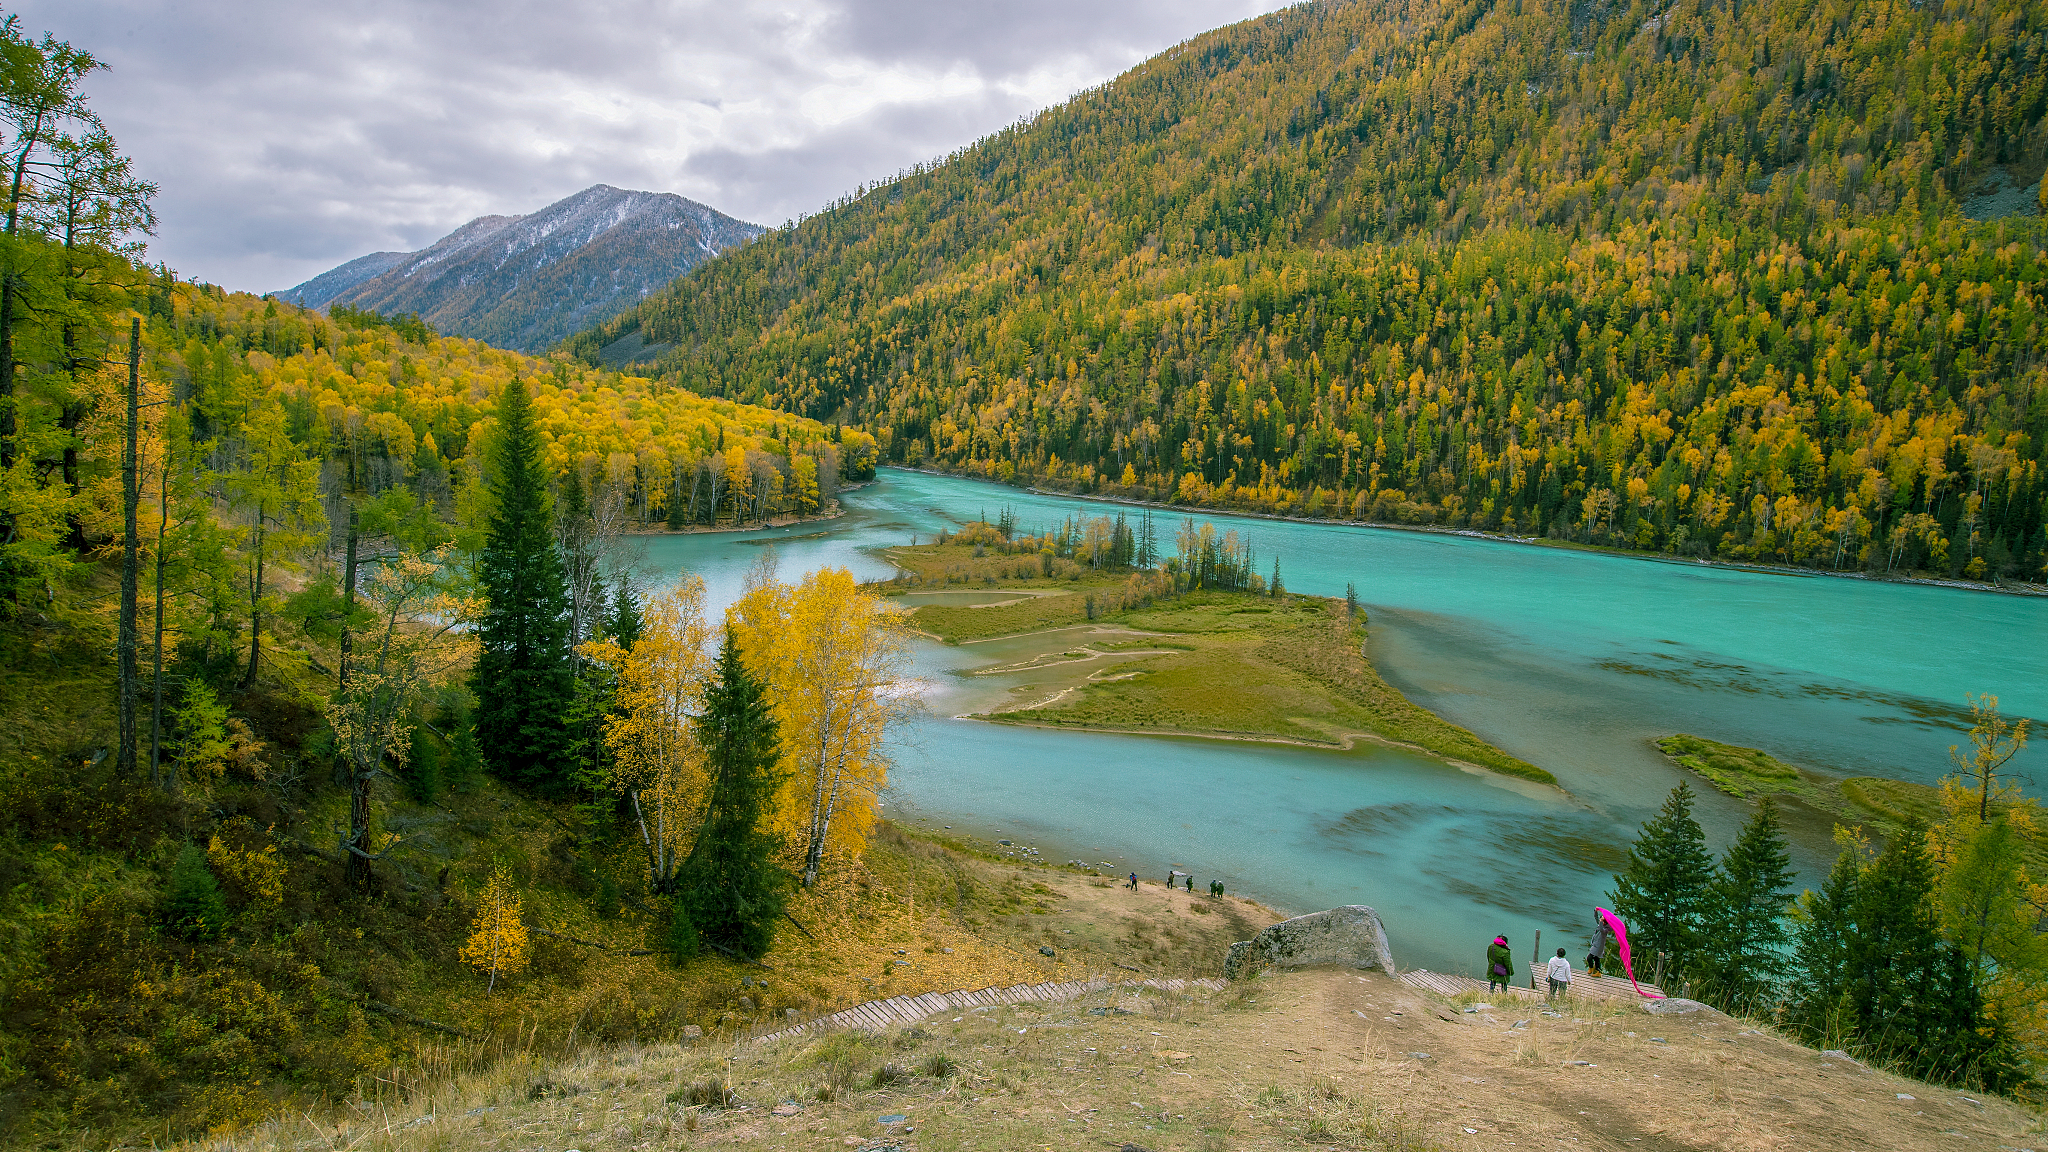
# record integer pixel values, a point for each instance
(1315, 1059)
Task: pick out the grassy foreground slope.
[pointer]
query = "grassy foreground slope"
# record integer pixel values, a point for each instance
(1142, 658)
(1306, 1059)
(1748, 279)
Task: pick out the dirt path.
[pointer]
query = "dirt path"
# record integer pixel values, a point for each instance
(1612, 1076)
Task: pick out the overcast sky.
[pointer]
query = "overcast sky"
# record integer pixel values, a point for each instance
(290, 137)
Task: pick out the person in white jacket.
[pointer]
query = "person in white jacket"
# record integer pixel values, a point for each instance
(1559, 970)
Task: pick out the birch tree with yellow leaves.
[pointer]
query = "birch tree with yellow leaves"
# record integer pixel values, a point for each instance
(498, 940)
(832, 656)
(657, 763)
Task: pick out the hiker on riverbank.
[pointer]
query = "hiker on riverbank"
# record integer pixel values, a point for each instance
(1133, 885)
(1559, 972)
(1191, 883)
(1500, 965)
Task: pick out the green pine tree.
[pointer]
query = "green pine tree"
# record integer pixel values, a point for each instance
(424, 777)
(523, 681)
(1663, 894)
(626, 624)
(730, 892)
(1817, 1004)
(1915, 1003)
(465, 759)
(193, 905)
(1742, 957)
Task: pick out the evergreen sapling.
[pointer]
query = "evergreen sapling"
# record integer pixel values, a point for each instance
(730, 892)
(1663, 894)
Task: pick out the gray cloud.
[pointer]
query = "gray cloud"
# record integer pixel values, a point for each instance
(289, 138)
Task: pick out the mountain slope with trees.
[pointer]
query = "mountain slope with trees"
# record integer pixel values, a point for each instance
(1697, 277)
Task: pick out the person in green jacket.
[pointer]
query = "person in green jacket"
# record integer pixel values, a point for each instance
(1500, 967)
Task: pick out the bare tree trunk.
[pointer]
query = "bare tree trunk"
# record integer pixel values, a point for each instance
(6, 383)
(348, 596)
(255, 604)
(359, 781)
(156, 678)
(130, 546)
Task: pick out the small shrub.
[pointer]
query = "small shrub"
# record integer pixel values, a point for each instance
(711, 1092)
(887, 1074)
(545, 1089)
(193, 905)
(938, 1066)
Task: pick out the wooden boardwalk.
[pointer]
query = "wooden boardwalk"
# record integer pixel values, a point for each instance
(1584, 986)
(879, 1015)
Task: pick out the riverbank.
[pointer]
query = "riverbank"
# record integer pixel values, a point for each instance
(1118, 652)
(2009, 588)
(837, 511)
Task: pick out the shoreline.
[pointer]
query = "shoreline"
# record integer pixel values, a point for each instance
(2021, 589)
(839, 510)
(1347, 742)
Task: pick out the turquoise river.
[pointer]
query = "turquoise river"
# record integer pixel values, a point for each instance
(1575, 661)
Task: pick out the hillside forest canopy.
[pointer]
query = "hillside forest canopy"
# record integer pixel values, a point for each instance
(1751, 280)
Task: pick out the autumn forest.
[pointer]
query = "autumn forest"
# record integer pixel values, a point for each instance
(1712, 279)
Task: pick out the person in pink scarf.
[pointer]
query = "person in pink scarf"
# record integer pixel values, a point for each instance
(1500, 965)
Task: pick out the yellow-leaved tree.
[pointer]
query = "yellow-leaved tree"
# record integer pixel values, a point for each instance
(1991, 905)
(832, 656)
(657, 763)
(498, 940)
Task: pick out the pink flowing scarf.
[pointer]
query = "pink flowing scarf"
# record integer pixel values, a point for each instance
(1620, 931)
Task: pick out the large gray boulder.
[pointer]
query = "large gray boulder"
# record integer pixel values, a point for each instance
(1351, 936)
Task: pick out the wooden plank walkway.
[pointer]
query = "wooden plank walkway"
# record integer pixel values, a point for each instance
(879, 1015)
(1584, 986)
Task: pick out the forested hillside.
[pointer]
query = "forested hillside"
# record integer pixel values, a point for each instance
(259, 840)
(1707, 277)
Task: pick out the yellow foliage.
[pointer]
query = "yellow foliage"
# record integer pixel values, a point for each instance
(498, 941)
(832, 657)
(256, 874)
(658, 763)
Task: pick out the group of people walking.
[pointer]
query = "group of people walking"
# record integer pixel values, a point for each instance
(1500, 963)
(1176, 878)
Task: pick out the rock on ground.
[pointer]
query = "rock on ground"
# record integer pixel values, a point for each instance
(1351, 936)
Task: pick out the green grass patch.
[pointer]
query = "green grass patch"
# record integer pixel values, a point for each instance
(1289, 670)
(1740, 772)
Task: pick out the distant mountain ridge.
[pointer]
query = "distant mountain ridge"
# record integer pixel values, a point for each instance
(526, 282)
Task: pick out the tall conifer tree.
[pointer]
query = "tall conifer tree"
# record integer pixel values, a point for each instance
(1817, 1005)
(1914, 1001)
(1742, 958)
(625, 623)
(523, 681)
(1664, 892)
(729, 893)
